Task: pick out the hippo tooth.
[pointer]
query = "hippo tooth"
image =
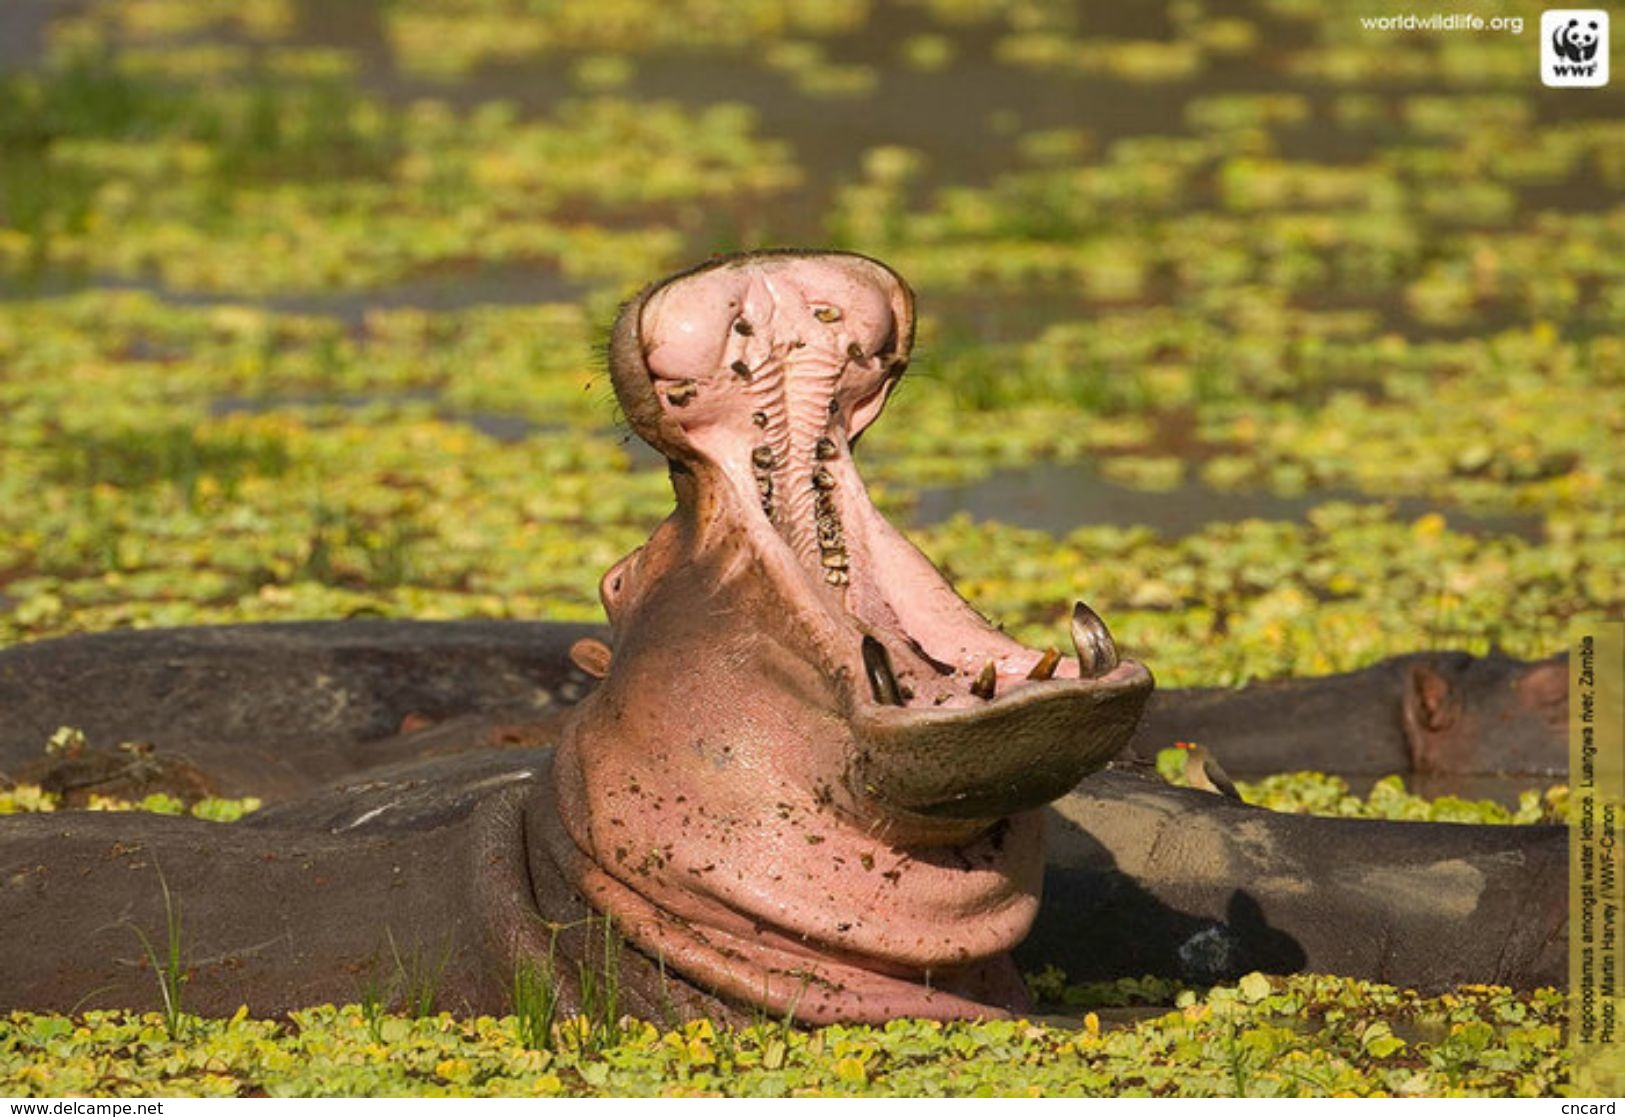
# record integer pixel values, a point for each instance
(1045, 667)
(1097, 654)
(987, 683)
(877, 663)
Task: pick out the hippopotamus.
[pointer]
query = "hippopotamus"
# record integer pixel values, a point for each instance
(799, 775)
(1436, 714)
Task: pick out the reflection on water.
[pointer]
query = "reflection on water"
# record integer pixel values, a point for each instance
(1058, 498)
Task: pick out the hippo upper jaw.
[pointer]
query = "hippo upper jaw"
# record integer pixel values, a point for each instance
(809, 778)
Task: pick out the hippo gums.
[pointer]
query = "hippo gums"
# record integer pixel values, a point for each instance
(798, 774)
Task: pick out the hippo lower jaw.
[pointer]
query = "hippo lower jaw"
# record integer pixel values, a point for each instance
(810, 777)
(945, 765)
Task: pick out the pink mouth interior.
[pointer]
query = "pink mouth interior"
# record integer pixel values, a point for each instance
(768, 370)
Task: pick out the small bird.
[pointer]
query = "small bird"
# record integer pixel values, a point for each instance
(1203, 772)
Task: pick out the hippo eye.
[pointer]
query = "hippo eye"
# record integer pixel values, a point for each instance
(826, 314)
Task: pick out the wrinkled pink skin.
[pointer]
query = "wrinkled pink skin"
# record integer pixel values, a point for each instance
(733, 794)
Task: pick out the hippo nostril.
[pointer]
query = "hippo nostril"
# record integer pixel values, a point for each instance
(740, 368)
(743, 328)
(877, 665)
(1097, 654)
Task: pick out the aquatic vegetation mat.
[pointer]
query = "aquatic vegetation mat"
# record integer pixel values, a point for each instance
(300, 317)
(1264, 1037)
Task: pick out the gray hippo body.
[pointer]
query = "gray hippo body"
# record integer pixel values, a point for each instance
(385, 857)
(1441, 715)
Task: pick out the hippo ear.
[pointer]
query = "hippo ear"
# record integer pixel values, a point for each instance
(1428, 699)
(1545, 686)
(591, 656)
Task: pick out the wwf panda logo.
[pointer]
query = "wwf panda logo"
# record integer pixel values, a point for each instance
(1574, 48)
(1576, 43)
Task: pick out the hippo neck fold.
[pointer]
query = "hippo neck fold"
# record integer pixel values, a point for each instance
(810, 776)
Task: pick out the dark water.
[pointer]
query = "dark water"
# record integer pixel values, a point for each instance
(1049, 497)
(1058, 498)
(501, 426)
(1115, 1018)
(22, 31)
(461, 289)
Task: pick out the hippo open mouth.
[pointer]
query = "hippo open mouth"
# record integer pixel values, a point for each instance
(809, 778)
